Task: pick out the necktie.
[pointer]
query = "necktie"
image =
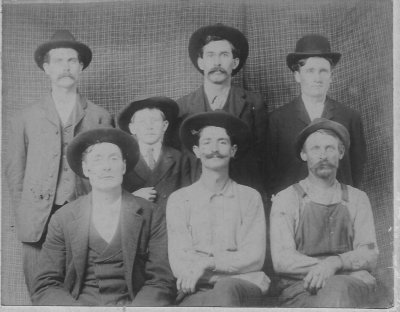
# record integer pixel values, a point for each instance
(150, 158)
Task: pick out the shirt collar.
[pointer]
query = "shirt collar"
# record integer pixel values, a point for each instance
(202, 192)
(156, 149)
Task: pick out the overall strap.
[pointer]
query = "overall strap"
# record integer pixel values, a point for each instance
(345, 192)
(300, 191)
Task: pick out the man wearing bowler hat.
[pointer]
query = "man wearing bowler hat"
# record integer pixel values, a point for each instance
(218, 52)
(159, 170)
(323, 240)
(216, 227)
(312, 64)
(39, 177)
(106, 248)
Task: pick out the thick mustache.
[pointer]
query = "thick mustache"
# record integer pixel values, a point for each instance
(215, 154)
(324, 163)
(216, 69)
(66, 75)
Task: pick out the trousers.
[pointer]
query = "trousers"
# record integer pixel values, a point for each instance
(227, 292)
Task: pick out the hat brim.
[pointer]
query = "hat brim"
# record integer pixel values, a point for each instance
(127, 144)
(293, 58)
(233, 35)
(322, 123)
(83, 50)
(168, 106)
(236, 128)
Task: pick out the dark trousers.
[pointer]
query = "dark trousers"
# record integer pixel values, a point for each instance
(31, 252)
(227, 292)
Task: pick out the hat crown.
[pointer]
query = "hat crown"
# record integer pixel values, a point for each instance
(62, 35)
(313, 44)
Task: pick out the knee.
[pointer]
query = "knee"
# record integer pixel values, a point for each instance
(342, 291)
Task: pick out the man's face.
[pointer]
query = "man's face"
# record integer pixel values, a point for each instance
(63, 67)
(322, 154)
(215, 149)
(148, 126)
(217, 62)
(314, 77)
(104, 166)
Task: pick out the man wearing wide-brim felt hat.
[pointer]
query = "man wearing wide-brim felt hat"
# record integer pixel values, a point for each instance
(107, 247)
(219, 221)
(219, 51)
(41, 182)
(312, 64)
(159, 170)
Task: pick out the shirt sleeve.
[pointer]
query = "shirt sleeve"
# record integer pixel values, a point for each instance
(250, 253)
(181, 254)
(284, 217)
(365, 252)
(16, 158)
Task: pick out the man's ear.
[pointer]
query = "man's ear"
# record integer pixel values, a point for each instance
(236, 62)
(45, 67)
(297, 76)
(85, 169)
(196, 151)
(234, 149)
(132, 128)
(165, 125)
(124, 169)
(303, 155)
(200, 63)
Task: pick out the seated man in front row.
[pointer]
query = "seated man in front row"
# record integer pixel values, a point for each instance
(108, 247)
(323, 241)
(216, 227)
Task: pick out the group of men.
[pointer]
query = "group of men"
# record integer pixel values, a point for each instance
(118, 217)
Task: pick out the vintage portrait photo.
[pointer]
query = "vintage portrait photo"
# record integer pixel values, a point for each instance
(185, 153)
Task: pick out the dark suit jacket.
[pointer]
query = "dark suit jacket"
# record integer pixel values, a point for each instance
(166, 177)
(248, 106)
(286, 122)
(144, 246)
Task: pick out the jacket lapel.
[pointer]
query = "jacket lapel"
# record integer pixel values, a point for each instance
(301, 114)
(236, 101)
(166, 161)
(79, 233)
(141, 169)
(50, 111)
(131, 224)
(329, 109)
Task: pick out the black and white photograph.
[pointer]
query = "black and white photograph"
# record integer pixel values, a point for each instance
(198, 153)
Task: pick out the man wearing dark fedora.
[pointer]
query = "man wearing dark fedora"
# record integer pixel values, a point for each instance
(218, 52)
(216, 227)
(108, 247)
(159, 170)
(323, 240)
(312, 64)
(39, 177)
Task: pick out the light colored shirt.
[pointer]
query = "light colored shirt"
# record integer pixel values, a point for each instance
(285, 215)
(156, 150)
(228, 226)
(314, 110)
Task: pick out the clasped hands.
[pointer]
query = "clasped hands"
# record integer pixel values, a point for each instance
(187, 280)
(317, 276)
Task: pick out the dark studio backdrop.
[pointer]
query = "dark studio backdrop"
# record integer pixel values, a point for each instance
(140, 49)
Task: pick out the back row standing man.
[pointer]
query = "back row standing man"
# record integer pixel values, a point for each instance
(219, 52)
(312, 64)
(39, 177)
